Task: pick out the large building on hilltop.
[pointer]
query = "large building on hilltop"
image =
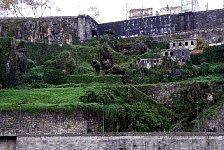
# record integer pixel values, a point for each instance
(205, 24)
(140, 13)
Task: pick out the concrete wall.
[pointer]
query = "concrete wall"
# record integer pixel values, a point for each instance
(47, 122)
(153, 141)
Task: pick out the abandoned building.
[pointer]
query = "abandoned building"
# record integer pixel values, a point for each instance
(181, 56)
(148, 62)
(183, 44)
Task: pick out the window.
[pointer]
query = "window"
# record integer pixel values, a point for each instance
(171, 53)
(166, 53)
(186, 43)
(154, 61)
(192, 42)
(183, 60)
(180, 44)
(174, 44)
(147, 61)
(182, 53)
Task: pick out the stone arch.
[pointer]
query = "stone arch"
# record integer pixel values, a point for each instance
(94, 33)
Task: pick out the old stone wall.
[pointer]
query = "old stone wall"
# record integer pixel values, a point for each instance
(49, 29)
(69, 29)
(47, 122)
(204, 24)
(153, 141)
(209, 19)
(7, 143)
(167, 93)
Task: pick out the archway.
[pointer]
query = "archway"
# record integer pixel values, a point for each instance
(94, 33)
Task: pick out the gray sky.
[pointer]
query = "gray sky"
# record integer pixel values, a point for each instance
(114, 10)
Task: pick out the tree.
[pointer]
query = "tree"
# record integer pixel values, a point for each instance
(93, 12)
(22, 8)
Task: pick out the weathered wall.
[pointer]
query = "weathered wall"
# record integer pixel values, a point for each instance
(47, 122)
(68, 29)
(189, 24)
(165, 93)
(7, 143)
(153, 141)
(49, 29)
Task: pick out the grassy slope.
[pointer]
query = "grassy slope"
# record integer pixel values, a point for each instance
(38, 98)
(62, 96)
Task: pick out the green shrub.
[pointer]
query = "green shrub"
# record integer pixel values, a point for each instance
(54, 77)
(90, 78)
(30, 64)
(216, 69)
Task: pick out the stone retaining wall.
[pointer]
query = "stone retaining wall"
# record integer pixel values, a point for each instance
(144, 142)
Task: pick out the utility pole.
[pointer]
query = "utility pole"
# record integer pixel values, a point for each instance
(103, 117)
(126, 9)
(198, 126)
(206, 6)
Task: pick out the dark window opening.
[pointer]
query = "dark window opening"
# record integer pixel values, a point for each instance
(154, 61)
(186, 43)
(94, 33)
(183, 60)
(174, 44)
(147, 61)
(180, 44)
(166, 53)
(182, 53)
(171, 53)
(192, 43)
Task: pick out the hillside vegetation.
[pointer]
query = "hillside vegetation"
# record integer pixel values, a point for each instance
(101, 74)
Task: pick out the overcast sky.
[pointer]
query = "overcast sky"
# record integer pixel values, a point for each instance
(114, 10)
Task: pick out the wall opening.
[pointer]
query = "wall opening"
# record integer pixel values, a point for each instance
(94, 33)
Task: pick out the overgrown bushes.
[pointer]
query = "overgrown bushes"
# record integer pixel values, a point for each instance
(91, 78)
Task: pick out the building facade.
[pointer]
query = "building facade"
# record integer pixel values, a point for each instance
(181, 56)
(140, 13)
(183, 44)
(148, 62)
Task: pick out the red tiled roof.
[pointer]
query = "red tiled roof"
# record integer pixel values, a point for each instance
(198, 51)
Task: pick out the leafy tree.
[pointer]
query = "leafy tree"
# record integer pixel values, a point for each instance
(65, 61)
(55, 77)
(93, 12)
(105, 57)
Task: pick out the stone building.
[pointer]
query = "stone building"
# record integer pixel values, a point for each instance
(140, 13)
(183, 44)
(181, 56)
(148, 62)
